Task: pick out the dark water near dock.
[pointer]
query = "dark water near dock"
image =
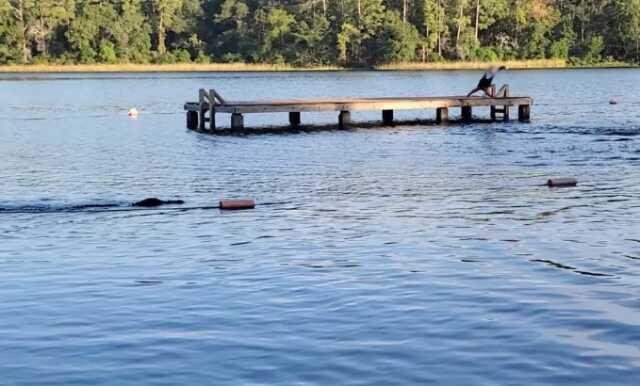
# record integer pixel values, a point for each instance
(387, 256)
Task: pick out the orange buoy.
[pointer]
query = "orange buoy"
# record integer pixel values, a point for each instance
(561, 182)
(237, 204)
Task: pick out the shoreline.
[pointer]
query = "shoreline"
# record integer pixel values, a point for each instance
(245, 67)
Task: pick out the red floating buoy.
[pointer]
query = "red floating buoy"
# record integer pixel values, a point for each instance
(237, 204)
(561, 182)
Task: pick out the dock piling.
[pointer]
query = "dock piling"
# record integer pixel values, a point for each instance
(467, 114)
(201, 118)
(387, 117)
(212, 117)
(201, 109)
(237, 121)
(294, 119)
(504, 110)
(505, 92)
(192, 120)
(442, 115)
(524, 113)
(344, 119)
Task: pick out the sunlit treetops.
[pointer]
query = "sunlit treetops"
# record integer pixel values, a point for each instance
(317, 32)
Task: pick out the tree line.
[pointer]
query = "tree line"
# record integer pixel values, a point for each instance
(317, 32)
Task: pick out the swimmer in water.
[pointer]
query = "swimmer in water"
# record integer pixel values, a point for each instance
(486, 83)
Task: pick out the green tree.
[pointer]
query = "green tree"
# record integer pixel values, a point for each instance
(460, 23)
(91, 29)
(273, 28)
(311, 44)
(534, 22)
(9, 51)
(131, 32)
(349, 32)
(563, 41)
(109, 31)
(397, 42)
(593, 52)
(348, 37)
(36, 21)
(234, 38)
(630, 27)
(163, 13)
(434, 26)
(356, 39)
(108, 52)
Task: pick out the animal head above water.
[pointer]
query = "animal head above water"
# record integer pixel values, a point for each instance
(151, 202)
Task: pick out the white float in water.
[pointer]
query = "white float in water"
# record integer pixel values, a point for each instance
(133, 113)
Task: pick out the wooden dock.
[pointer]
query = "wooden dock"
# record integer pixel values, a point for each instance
(211, 103)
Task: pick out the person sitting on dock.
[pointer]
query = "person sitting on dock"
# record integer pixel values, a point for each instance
(486, 83)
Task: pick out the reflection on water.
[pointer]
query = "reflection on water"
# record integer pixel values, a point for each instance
(412, 254)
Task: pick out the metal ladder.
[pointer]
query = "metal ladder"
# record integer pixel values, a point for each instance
(503, 111)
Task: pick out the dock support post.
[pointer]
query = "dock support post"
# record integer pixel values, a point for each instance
(294, 119)
(201, 118)
(212, 118)
(524, 113)
(237, 121)
(202, 111)
(442, 115)
(387, 117)
(495, 110)
(467, 114)
(505, 92)
(344, 119)
(192, 120)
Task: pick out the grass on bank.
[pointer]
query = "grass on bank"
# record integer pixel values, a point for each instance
(178, 67)
(511, 64)
(247, 67)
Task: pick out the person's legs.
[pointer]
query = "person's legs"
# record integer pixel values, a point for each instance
(489, 91)
(475, 90)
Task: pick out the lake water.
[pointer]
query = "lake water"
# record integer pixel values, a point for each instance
(404, 255)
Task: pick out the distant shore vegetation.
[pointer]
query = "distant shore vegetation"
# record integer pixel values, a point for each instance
(253, 67)
(239, 35)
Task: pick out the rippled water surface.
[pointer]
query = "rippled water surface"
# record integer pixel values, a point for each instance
(411, 254)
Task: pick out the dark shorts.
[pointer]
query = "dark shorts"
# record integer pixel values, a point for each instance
(485, 83)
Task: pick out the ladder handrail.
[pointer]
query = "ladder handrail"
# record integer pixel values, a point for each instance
(211, 96)
(217, 96)
(504, 92)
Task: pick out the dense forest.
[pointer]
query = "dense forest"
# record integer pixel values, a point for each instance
(317, 32)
